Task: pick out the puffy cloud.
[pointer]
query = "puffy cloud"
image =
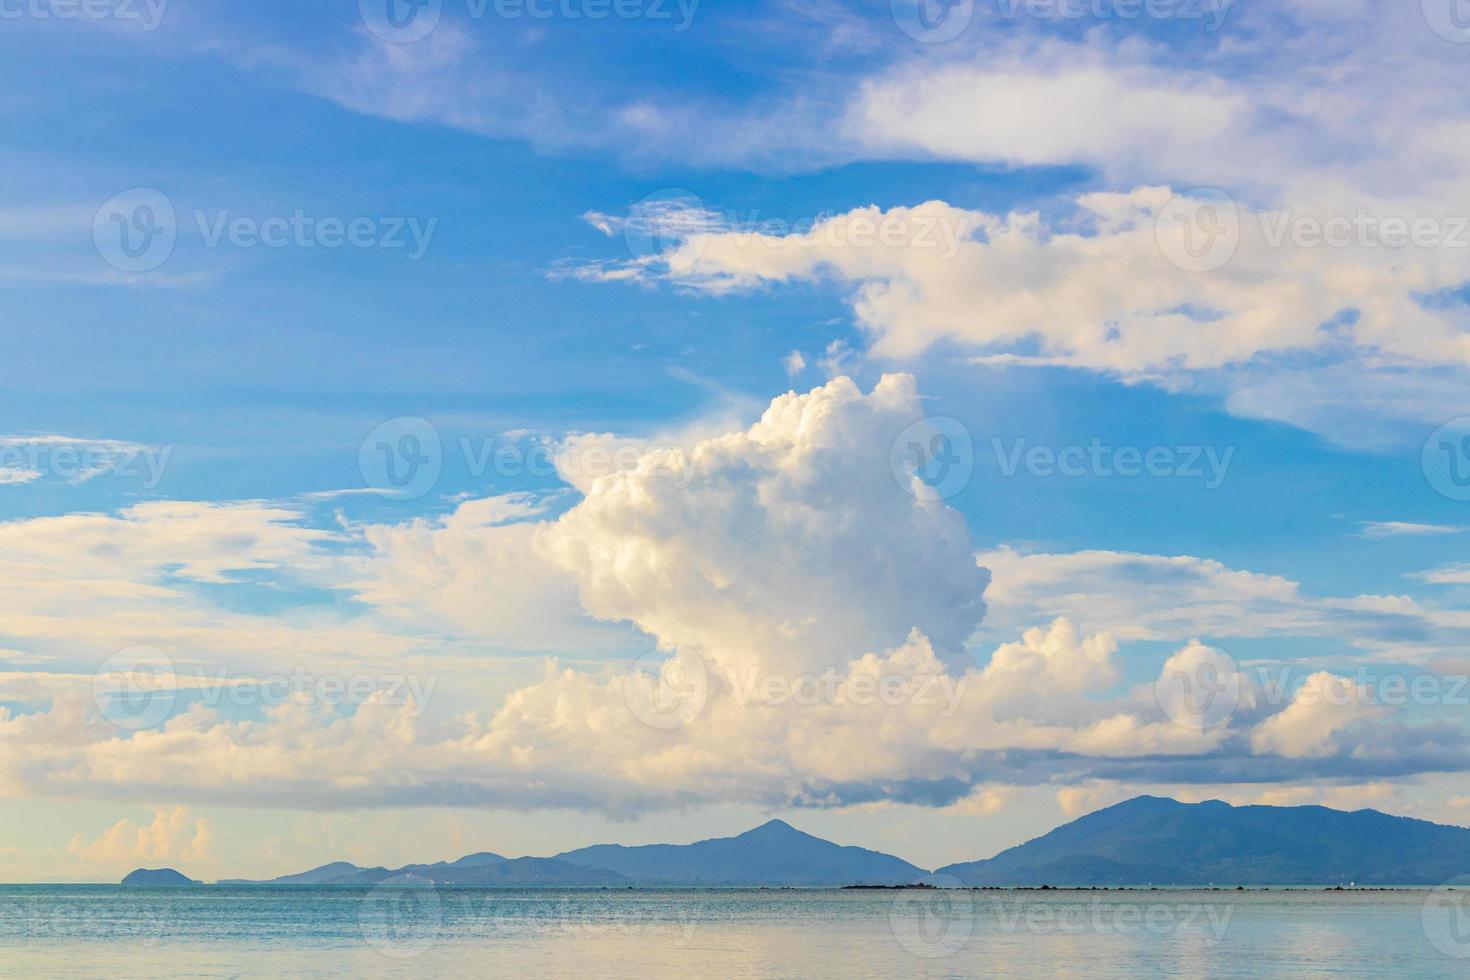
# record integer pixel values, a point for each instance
(1107, 289)
(790, 543)
(1321, 709)
(1030, 111)
(814, 607)
(172, 836)
(479, 572)
(1163, 597)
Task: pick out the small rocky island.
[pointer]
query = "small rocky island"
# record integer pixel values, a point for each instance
(157, 878)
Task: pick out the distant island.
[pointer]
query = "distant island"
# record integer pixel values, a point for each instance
(774, 853)
(1151, 840)
(1142, 842)
(157, 878)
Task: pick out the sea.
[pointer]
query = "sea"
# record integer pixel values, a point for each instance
(416, 930)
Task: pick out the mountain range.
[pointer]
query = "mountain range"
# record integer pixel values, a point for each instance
(1151, 840)
(1144, 841)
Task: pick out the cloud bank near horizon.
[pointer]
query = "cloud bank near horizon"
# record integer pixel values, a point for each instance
(808, 607)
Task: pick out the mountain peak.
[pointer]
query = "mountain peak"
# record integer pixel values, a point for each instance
(774, 828)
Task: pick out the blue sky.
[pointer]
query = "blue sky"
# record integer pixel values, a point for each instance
(515, 288)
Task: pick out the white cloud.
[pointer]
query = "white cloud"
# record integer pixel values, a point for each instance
(1395, 529)
(1320, 710)
(789, 543)
(173, 835)
(1098, 291)
(785, 551)
(1164, 597)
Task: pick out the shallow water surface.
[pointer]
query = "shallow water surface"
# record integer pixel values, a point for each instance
(61, 930)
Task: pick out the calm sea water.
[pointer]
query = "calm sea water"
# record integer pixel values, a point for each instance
(60, 930)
